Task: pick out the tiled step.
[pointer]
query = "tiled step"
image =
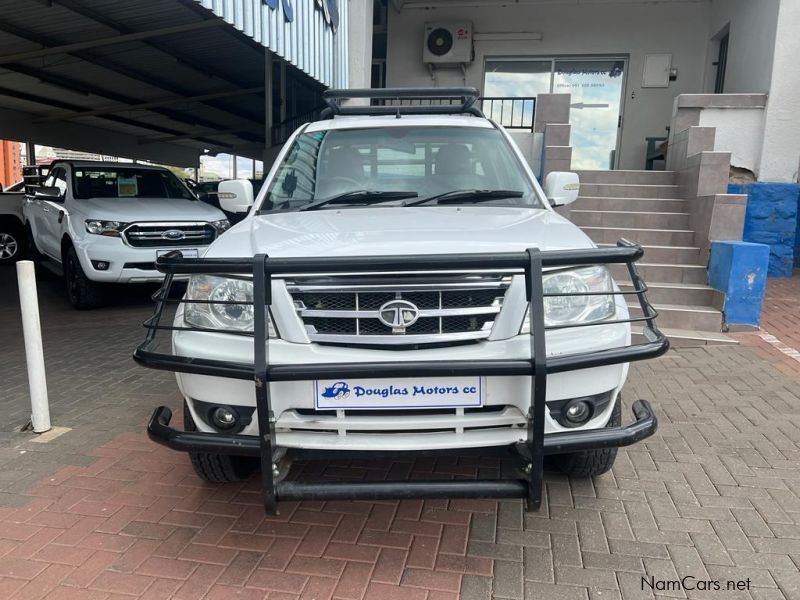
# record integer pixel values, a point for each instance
(637, 177)
(686, 338)
(629, 190)
(678, 316)
(653, 237)
(678, 255)
(629, 219)
(692, 294)
(662, 273)
(630, 204)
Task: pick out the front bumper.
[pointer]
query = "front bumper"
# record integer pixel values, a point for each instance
(536, 367)
(126, 264)
(644, 426)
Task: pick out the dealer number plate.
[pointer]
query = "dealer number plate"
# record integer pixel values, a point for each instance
(187, 252)
(438, 392)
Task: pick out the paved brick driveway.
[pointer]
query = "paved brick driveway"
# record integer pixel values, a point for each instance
(100, 512)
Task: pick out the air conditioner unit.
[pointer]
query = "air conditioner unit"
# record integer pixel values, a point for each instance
(448, 43)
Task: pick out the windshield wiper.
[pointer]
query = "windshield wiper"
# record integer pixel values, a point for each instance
(459, 196)
(360, 197)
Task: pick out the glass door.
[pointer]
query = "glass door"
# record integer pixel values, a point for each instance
(595, 110)
(596, 86)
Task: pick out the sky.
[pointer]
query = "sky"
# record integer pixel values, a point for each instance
(221, 167)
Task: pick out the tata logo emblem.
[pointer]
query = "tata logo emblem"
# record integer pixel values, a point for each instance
(398, 314)
(173, 235)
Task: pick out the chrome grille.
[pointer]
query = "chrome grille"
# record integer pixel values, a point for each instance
(348, 310)
(161, 235)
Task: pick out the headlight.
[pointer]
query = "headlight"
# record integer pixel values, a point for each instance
(222, 311)
(566, 310)
(222, 225)
(108, 228)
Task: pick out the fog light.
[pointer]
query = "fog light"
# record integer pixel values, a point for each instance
(577, 412)
(100, 265)
(223, 418)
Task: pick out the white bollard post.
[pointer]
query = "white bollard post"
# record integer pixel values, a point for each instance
(34, 353)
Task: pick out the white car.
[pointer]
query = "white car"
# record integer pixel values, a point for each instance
(12, 236)
(394, 247)
(101, 223)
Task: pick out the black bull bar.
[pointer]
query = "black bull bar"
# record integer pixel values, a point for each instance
(530, 263)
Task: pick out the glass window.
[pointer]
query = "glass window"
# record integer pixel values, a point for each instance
(517, 78)
(426, 160)
(60, 181)
(595, 87)
(120, 182)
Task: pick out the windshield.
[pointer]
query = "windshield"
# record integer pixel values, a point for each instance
(424, 161)
(119, 182)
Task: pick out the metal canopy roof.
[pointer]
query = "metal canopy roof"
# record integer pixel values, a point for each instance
(158, 79)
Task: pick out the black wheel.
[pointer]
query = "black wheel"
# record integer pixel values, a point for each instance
(217, 468)
(82, 292)
(11, 243)
(591, 462)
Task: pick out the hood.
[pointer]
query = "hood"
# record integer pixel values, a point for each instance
(392, 231)
(129, 210)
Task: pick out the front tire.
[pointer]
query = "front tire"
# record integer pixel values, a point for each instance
(590, 463)
(216, 468)
(82, 292)
(11, 243)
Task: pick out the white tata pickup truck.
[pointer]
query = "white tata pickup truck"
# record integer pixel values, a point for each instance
(401, 284)
(99, 223)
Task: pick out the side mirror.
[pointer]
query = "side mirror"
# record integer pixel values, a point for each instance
(235, 195)
(52, 194)
(562, 187)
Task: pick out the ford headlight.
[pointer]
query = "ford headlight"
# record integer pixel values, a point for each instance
(107, 228)
(224, 303)
(221, 226)
(576, 306)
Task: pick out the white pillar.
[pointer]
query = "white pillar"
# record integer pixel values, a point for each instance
(34, 353)
(359, 43)
(780, 152)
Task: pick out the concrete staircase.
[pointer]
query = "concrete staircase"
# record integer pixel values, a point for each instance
(645, 207)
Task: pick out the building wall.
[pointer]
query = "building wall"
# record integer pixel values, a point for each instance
(10, 162)
(751, 26)
(608, 28)
(739, 132)
(780, 153)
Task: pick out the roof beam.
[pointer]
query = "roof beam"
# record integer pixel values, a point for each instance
(183, 58)
(114, 109)
(187, 60)
(69, 83)
(36, 99)
(109, 41)
(172, 138)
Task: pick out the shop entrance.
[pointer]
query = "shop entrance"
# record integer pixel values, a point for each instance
(596, 86)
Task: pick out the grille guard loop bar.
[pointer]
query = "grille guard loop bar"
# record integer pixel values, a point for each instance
(645, 424)
(537, 367)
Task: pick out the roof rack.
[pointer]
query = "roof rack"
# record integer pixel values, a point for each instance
(403, 101)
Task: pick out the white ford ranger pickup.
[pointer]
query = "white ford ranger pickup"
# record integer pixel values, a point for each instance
(401, 284)
(98, 223)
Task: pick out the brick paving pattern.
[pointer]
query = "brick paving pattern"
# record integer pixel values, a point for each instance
(101, 512)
